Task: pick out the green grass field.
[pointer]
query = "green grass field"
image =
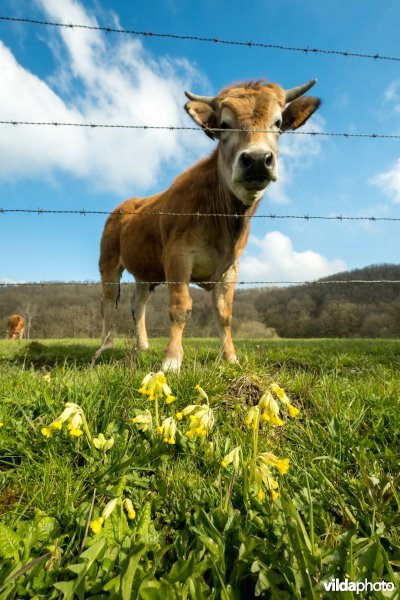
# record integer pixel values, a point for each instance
(201, 530)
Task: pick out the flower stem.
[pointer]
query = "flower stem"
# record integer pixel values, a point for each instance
(156, 411)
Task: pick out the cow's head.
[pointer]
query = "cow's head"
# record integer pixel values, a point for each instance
(248, 160)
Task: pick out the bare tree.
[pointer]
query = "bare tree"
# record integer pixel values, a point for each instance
(29, 311)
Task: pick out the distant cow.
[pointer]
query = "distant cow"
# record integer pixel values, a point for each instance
(177, 250)
(15, 327)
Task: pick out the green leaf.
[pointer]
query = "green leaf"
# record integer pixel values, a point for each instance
(129, 570)
(151, 589)
(10, 542)
(182, 569)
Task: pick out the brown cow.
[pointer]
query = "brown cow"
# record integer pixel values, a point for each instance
(191, 248)
(15, 327)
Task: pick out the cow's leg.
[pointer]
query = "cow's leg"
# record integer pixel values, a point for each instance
(138, 303)
(177, 270)
(110, 278)
(222, 295)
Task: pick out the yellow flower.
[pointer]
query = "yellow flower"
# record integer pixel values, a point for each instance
(282, 464)
(75, 432)
(270, 409)
(46, 377)
(274, 495)
(96, 524)
(233, 457)
(47, 431)
(179, 416)
(101, 443)
(155, 385)
(1, 424)
(252, 417)
(281, 394)
(261, 494)
(144, 421)
(129, 508)
(168, 430)
(201, 420)
(57, 424)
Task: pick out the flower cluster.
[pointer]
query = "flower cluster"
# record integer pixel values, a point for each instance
(98, 523)
(72, 415)
(268, 408)
(168, 430)
(201, 420)
(155, 386)
(260, 473)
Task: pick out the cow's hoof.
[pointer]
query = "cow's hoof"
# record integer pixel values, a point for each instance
(171, 364)
(233, 359)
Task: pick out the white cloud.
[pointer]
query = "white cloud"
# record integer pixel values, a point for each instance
(297, 151)
(277, 260)
(389, 182)
(98, 79)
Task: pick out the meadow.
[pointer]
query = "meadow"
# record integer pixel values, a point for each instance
(288, 480)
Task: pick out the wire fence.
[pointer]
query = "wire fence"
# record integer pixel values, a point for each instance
(248, 44)
(86, 212)
(5, 284)
(212, 40)
(344, 134)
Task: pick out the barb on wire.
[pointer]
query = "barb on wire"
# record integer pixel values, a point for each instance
(344, 134)
(196, 38)
(5, 284)
(84, 212)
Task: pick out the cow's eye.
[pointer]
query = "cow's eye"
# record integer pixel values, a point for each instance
(278, 123)
(224, 125)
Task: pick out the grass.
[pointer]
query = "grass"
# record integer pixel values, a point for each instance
(200, 531)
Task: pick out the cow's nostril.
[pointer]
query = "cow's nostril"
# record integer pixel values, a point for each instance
(247, 161)
(269, 159)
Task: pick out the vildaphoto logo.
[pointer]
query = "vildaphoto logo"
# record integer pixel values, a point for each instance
(335, 585)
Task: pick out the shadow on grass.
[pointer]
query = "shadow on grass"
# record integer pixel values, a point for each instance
(37, 355)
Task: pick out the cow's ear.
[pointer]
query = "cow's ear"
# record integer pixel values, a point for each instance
(298, 112)
(202, 114)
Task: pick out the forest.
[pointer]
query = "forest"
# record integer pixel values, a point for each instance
(317, 310)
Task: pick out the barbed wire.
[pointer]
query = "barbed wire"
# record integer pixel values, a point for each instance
(5, 284)
(344, 134)
(84, 212)
(195, 38)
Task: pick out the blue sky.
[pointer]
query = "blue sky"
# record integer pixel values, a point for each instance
(51, 74)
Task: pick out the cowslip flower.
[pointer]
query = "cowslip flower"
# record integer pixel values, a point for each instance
(253, 417)
(281, 394)
(97, 524)
(128, 506)
(143, 421)
(282, 464)
(168, 430)
(270, 409)
(75, 418)
(201, 421)
(261, 476)
(101, 443)
(233, 457)
(155, 386)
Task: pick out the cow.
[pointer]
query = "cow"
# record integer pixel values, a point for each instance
(15, 327)
(165, 238)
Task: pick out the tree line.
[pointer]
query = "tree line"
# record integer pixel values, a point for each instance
(322, 309)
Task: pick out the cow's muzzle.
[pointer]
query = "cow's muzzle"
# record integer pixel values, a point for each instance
(257, 169)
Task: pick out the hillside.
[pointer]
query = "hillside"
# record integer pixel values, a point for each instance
(314, 310)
